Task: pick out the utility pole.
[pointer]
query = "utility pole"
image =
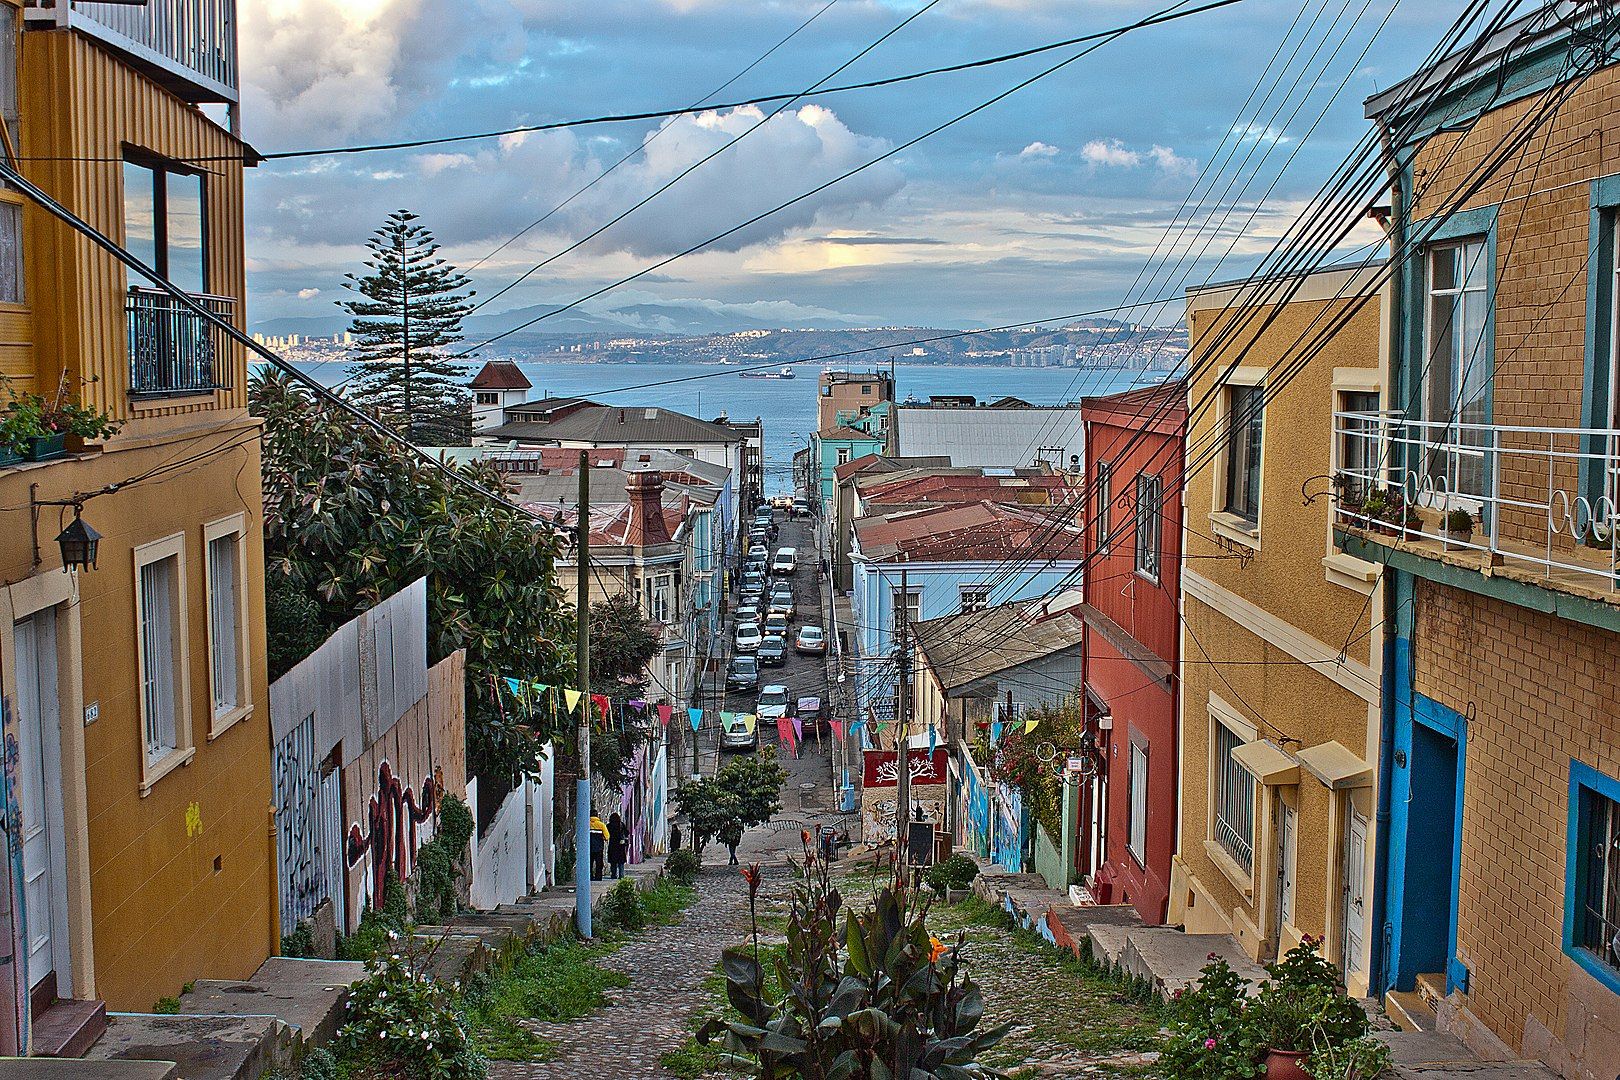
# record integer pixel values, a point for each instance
(902, 715)
(582, 787)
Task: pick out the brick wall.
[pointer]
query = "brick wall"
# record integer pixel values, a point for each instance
(1537, 691)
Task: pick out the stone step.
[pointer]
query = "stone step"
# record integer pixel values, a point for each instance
(1169, 960)
(36, 1068)
(1108, 944)
(66, 1029)
(201, 1047)
(1409, 1010)
(306, 995)
(1431, 987)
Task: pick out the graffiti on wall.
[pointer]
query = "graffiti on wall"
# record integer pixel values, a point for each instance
(1009, 838)
(14, 1019)
(395, 815)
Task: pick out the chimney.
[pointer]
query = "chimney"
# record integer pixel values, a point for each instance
(646, 491)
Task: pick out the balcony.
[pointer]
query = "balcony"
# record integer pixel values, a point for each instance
(172, 349)
(1543, 503)
(189, 46)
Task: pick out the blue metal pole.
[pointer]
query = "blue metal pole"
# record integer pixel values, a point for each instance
(582, 854)
(582, 800)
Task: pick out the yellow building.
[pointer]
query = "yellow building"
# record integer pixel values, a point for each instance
(135, 690)
(1279, 710)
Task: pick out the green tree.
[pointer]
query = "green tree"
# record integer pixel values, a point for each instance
(351, 516)
(409, 309)
(623, 643)
(745, 792)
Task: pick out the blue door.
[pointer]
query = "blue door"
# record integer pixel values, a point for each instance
(1425, 844)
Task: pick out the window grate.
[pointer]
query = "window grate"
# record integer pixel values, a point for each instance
(1234, 800)
(1598, 927)
(157, 640)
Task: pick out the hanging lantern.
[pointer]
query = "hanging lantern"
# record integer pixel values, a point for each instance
(78, 543)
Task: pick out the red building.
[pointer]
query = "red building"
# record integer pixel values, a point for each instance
(1135, 444)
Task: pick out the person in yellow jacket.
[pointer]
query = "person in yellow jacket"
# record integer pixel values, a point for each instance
(599, 839)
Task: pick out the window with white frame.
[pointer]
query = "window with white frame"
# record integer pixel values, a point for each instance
(843, 455)
(1233, 793)
(227, 623)
(1105, 505)
(160, 617)
(907, 606)
(661, 597)
(1457, 368)
(1136, 831)
(1595, 919)
(1149, 516)
(1358, 441)
(975, 598)
(1245, 418)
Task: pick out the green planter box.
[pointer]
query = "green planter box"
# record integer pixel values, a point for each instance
(45, 447)
(9, 457)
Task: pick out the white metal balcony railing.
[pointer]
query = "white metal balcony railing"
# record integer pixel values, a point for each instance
(1543, 497)
(191, 41)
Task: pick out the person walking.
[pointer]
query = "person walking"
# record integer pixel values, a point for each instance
(674, 836)
(618, 846)
(599, 839)
(731, 835)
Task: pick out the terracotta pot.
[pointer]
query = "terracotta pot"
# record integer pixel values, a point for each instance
(1285, 1065)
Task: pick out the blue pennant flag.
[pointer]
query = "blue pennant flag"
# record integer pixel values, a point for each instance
(514, 686)
(995, 732)
(696, 716)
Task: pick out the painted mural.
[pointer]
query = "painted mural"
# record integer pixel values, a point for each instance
(1008, 821)
(642, 803)
(13, 973)
(973, 812)
(879, 790)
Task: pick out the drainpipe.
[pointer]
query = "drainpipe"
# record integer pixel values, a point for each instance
(1377, 958)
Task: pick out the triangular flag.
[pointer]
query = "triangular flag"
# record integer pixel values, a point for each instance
(798, 728)
(637, 703)
(995, 732)
(748, 720)
(696, 716)
(664, 712)
(727, 719)
(1030, 726)
(572, 697)
(837, 728)
(514, 686)
(541, 688)
(784, 731)
(601, 702)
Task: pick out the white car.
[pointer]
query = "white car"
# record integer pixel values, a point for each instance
(786, 561)
(749, 637)
(773, 704)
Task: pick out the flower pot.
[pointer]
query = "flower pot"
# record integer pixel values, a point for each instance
(1285, 1065)
(45, 447)
(1466, 537)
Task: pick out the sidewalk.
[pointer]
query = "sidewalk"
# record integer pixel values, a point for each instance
(1168, 960)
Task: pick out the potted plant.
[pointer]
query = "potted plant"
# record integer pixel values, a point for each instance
(1459, 526)
(1377, 508)
(16, 432)
(1300, 1015)
(1348, 495)
(40, 425)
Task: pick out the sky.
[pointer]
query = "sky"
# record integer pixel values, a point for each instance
(1049, 202)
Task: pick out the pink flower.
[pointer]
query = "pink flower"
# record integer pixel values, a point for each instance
(1209, 1044)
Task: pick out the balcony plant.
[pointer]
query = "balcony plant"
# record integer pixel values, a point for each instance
(1459, 526)
(1300, 1013)
(38, 425)
(1349, 495)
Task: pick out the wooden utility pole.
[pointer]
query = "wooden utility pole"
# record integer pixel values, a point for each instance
(902, 715)
(582, 787)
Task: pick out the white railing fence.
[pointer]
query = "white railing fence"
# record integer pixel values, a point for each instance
(195, 39)
(1546, 497)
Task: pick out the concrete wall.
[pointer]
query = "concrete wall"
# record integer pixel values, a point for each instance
(516, 854)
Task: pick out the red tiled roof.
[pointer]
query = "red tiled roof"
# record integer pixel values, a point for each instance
(500, 375)
(975, 532)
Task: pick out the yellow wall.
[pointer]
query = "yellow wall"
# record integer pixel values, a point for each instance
(1258, 605)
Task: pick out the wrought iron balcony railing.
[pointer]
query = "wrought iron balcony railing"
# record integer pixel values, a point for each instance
(1546, 499)
(189, 45)
(172, 349)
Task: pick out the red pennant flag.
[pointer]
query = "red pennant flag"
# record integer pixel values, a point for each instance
(601, 702)
(664, 712)
(837, 728)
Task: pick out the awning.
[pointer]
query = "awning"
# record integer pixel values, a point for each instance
(1336, 765)
(1267, 761)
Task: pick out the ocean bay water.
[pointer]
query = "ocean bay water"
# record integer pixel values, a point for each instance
(787, 406)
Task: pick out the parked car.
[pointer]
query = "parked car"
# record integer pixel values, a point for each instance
(801, 507)
(742, 673)
(747, 613)
(773, 704)
(748, 637)
(776, 623)
(781, 502)
(810, 715)
(753, 580)
(811, 640)
(739, 735)
(782, 604)
(773, 651)
(786, 561)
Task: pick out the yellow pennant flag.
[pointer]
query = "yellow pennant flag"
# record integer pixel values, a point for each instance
(1030, 726)
(748, 722)
(572, 697)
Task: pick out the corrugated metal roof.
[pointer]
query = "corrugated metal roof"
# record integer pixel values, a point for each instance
(962, 649)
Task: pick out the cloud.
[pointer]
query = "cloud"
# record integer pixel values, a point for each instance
(1171, 162)
(308, 294)
(1109, 153)
(1038, 149)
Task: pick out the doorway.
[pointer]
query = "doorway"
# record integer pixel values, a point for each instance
(39, 800)
(1287, 861)
(1352, 894)
(1426, 844)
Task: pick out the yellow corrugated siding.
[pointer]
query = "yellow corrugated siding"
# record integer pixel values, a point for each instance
(80, 109)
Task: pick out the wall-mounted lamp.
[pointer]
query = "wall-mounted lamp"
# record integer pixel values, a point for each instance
(78, 543)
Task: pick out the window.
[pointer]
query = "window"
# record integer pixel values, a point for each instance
(1136, 832)
(975, 598)
(1593, 922)
(1457, 372)
(660, 598)
(1358, 440)
(866, 389)
(843, 455)
(11, 260)
(227, 628)
(160, 617)
(907, 606)
(487, 397)
(1105, 505)
(164, 222)
(1234, 799)
(1245, 415)
(1149, 515)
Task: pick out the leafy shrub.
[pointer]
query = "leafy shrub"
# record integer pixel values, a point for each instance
(439, 862)
(402, 1024)
(621, 907)
(877, 997)
(955, 872)
(301, 942)
(1300, 1005)
(293, 620)
(1209, 1037)
(552, 982)
(166, 1006)
(376, 927)
(683, 866)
